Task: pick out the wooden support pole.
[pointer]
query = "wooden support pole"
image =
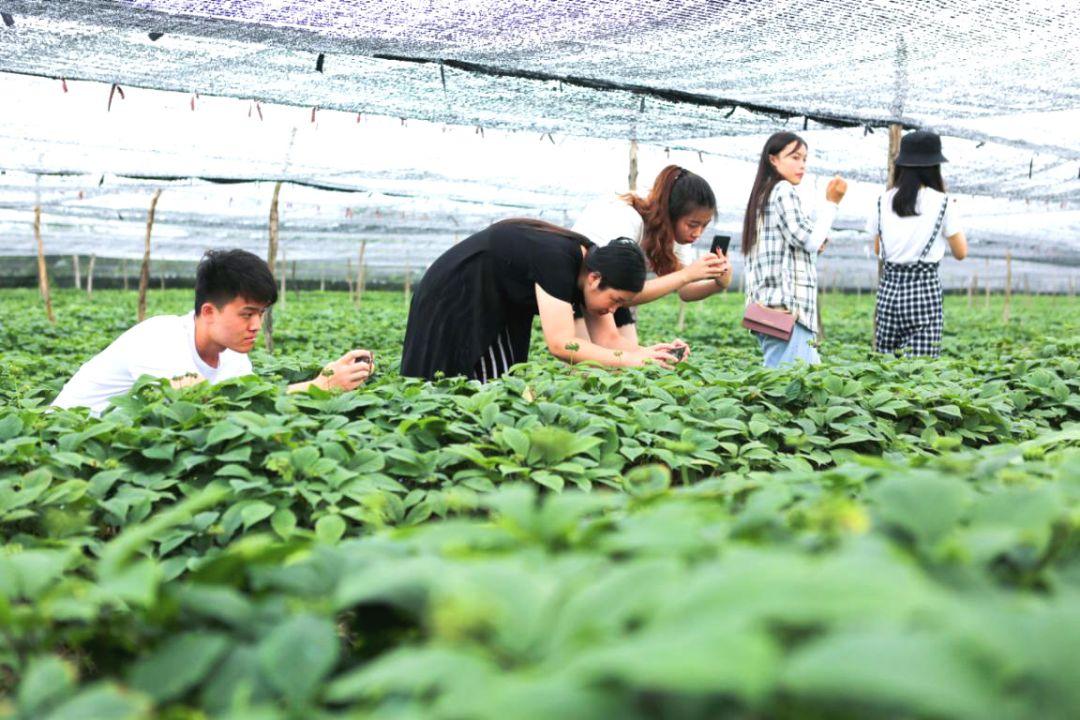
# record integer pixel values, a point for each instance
(632, 177)
(408, 283)
(973, 287)
(296, 287)
(271, 259)
(322, 278)
(360, 272)
(680, 323)
(896, 131)
(76, 271)
(90, 278)
(349, 280)
(161, 275)
(123, 271)
(144, 274)
(1006, 310)
(43, 275)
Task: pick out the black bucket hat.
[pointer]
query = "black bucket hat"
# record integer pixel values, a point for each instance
(920, 149)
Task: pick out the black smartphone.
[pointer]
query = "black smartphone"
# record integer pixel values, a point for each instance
(678, 352)
(363, 359)
(720, 244)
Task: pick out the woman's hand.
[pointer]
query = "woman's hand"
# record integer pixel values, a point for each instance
(348, 372)
(725, 271)
(708, 267)
(836, 189)
(660, 354)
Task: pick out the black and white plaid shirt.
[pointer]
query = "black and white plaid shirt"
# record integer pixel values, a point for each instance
(781, 270)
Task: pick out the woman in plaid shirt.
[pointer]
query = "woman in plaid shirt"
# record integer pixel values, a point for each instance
(781, 243)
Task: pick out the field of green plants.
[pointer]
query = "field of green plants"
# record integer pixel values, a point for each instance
(870, 538)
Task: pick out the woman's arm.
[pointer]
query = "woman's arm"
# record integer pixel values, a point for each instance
(958, 245)
(604, 332)
(701, 289)
(557, 323)
(796, 227)
(708, 267)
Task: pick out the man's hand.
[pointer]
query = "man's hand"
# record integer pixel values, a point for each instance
(187, 380)
(348, 372)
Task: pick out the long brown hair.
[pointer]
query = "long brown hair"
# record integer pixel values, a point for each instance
(675, 193)
(764, 182)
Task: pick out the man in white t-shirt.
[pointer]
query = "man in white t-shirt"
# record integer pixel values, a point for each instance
(233, 289)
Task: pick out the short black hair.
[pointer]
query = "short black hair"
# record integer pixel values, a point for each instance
(621, 265)
(224, 275)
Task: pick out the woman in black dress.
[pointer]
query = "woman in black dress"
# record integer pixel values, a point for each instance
(472, 311)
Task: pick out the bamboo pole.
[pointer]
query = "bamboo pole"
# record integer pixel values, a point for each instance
(680, 323)
(76, 270)
(408, 283)
(632, 177)
(1006, 310)
(322, 278)
(90, 278)
(360, 273)
(973, 287)
(349, 280)
(271, 259)
(161, 275)
(123, 271)
(43, 275)
(296, 287)
(144, 274)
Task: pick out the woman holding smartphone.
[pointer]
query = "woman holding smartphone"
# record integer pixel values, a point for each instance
(472, 312)
(665, 224)
(911, 225)
(781, 244)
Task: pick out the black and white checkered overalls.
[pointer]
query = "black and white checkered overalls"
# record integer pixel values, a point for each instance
(909, 312)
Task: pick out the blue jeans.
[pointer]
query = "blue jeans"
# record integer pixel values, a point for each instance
(777, 352)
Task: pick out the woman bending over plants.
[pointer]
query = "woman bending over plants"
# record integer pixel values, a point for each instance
(473, 309)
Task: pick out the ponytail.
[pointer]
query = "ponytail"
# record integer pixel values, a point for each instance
(675, 193)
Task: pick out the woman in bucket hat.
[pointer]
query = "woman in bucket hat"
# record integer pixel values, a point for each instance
(911, 225)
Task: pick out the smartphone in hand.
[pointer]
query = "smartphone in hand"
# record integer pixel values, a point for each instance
(678, 352)
(720, 244)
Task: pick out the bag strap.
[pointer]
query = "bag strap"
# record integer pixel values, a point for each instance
(880, 230)
(937, 228)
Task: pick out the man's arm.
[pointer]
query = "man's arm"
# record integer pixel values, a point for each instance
(345, 373)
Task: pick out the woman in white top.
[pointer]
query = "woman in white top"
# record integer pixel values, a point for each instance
(665, 223)
(911, 225)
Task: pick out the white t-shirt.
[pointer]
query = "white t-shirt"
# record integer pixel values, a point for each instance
(162, 347)
(611, 218)
(903, 238)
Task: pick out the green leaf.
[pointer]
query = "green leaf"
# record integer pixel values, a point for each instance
(283, 521)
(255, 512)
(178, 665)
(330, 528)
(103, 701)
(919, 674)
(297, 655)
(47, 681)
(516, 441)
(224, 430)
